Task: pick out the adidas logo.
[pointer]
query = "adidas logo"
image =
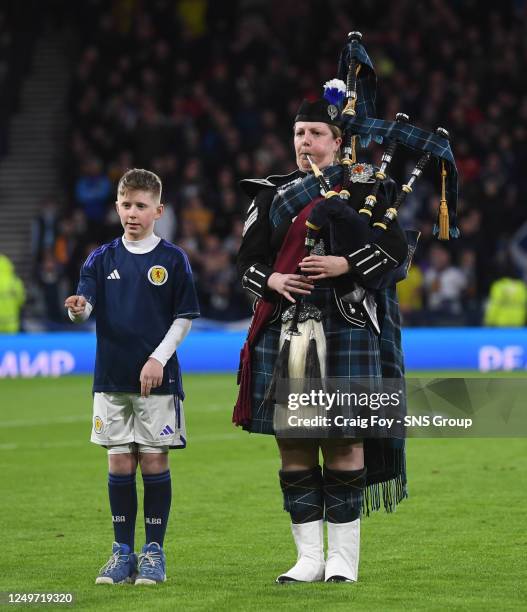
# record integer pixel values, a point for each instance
(168, 431)
(114, 275)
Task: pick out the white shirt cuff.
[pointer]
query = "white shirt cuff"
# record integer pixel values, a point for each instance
(83, 316)
(173, 338)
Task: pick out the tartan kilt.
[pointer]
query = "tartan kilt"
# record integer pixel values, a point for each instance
(351, 353)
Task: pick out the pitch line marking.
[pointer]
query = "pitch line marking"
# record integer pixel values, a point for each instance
(42, 422)
(79, 443)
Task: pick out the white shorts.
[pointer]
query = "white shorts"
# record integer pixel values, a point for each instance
(124, 418)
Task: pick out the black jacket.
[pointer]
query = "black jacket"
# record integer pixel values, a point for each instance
(350, 238)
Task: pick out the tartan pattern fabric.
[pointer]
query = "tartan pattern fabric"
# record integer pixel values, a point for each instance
(289, 202)
(418, 139)
(386, 458)
(392, 360)
(366, 81)
(351, 353)
(405, 133)
(343, 491)
(302, 491)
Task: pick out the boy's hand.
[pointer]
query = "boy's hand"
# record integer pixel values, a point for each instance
(151, 376)
(76, 303)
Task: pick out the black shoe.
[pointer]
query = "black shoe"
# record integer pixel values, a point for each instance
(338, 579)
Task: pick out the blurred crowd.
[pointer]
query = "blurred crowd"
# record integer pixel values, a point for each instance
(204, 93)
(16, 50)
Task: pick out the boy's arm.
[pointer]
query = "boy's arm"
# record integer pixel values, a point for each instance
(80, 306)
(151, 375)
(185, 308)
(175, 335)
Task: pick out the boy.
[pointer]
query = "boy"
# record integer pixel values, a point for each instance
(142, 291)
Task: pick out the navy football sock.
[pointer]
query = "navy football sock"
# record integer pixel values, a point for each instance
(158, 496)
(123, 504)
(302, 492)
(343, 491)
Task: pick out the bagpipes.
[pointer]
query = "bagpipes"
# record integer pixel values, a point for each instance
(345, 221)
(359, 123)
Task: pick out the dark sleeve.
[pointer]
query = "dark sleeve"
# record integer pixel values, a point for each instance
(87, 286)
(385, 250)
(254, 262)
(186, 304)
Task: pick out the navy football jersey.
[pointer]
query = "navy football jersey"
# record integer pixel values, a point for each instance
(136, 297)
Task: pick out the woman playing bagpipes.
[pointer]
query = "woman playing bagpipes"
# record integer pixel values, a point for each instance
(325, 313)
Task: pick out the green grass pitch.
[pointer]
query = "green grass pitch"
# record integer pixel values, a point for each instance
(458, 543)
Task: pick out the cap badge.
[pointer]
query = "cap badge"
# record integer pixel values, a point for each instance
(333, 111)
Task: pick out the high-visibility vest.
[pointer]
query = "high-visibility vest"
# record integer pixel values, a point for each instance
(507, 305)
(12, 296)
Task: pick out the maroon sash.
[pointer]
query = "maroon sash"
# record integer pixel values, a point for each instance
(287, 260)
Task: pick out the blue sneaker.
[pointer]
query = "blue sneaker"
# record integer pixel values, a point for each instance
(151, 565)
(120, 568)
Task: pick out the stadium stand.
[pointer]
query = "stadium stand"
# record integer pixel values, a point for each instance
(204, 93)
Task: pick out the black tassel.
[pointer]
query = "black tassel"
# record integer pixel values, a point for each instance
(312, 368)
(281, 370)
(312, 362)
(365, 510)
